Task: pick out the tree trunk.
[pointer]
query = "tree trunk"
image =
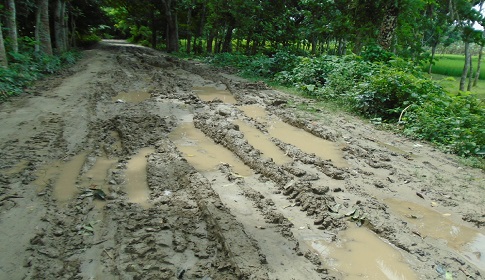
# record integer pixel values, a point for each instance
(433, 52)
(154, 30)
(210, 41)
(189, 31)
(12, 25)
(227, 45)
(42, 28)
(3, 54)
(477, 73)
(388, 26)
(466, 67)
(470, 77)
(172, 25)
(59, 21)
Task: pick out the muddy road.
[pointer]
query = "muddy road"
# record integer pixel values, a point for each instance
(136, 165)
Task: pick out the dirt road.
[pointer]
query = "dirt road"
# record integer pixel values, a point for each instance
(136, 165)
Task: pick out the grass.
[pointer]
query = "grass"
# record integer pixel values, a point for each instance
(451, 84)
(452, 65)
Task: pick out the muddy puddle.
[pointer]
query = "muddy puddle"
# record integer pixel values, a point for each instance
(132, 97)
(429, 223)
(359, 253)
(136, 178)
(201, 151)
(207, 93)
(96, 177)
(297, 137)
(65, 186)
(263, 143)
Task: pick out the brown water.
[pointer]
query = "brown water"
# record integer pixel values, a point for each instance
(211, 93)
(361, 254)
(132, 97)
(262, 142)
(430, 223)
(202, 153)
(136, 178)
(300, 138)
(97, 176)
(255, 112)
(65, 187)
(307, 142)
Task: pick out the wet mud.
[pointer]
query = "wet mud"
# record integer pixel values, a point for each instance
(137, 165)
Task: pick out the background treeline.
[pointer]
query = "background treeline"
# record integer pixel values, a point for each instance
(37, 37)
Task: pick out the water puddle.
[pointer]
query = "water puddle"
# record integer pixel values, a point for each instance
(300, 138)
(136, 178)
(65, 187)
(202, 153)
(307, 142)
(361, 254)
(254, 111)
(262, 142)
(97, 176)
(211, 93)
(427, 222)
(132, 97)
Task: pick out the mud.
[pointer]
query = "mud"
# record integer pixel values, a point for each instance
(137, 165)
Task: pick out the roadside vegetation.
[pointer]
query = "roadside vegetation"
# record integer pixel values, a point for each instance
(381, 87)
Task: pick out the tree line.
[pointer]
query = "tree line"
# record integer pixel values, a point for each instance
(44, 26)
(408, 28)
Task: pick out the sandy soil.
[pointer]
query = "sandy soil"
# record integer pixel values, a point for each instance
(136, 165)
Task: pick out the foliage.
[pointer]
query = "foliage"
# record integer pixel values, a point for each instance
(454, 122)
(379, 90)
(30, 66)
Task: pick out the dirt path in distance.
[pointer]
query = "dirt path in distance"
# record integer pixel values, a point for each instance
(136, 165)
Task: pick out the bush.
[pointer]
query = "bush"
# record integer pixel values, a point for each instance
(27, 67)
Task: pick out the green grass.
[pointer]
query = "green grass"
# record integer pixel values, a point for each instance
(452, 65)
(452, 84)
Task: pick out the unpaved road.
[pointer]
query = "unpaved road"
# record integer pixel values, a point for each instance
(135, 165)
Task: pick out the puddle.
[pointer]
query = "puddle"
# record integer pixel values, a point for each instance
(300, 138)
(132, 97)
(211, 93)
(202, 153)
(431, 223)
(262, 142)
(361, 254)
(307, 142)
(65, 186)
(136, 178)
(254, 111)
(97, 176)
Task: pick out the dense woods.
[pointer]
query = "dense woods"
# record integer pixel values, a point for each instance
(367, 55)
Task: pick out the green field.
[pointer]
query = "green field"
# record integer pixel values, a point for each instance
(452, 65)
(447, 73)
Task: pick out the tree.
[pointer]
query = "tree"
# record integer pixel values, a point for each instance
(389, 25)
(172, 35)
(3, 54)
(42, 28)
(60, 33)
(12, 25)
